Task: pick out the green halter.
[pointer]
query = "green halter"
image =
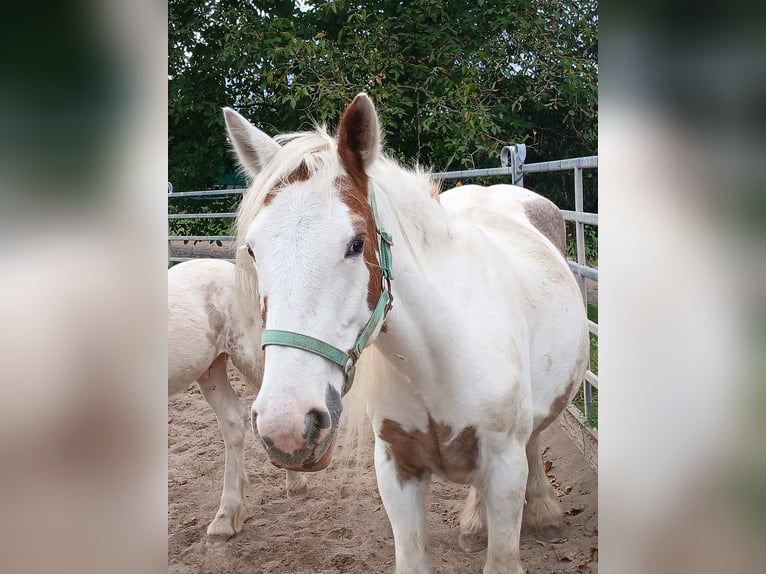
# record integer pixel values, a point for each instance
(346, 360)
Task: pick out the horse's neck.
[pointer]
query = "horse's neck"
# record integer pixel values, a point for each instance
(416, 220)
(425, 275)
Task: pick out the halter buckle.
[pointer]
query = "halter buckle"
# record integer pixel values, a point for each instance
(350, 362)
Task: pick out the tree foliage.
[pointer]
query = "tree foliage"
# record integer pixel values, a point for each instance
(453, 81)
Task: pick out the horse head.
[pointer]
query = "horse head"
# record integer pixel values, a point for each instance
(313, 243)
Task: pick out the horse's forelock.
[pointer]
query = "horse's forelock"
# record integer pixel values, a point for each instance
(301, 155)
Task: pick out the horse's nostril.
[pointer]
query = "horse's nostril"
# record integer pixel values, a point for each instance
(325, 421)
(254, 421)
(313, 423)
(310, 427)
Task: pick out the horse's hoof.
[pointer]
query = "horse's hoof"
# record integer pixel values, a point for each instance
(213, 540)
(548, 533)
(222, 529)
(473, 542)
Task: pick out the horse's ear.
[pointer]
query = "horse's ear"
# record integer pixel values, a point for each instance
(253, 147)
(359, 134)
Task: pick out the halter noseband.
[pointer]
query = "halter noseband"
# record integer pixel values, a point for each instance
(346, 360)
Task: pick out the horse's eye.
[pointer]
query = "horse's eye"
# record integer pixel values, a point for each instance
(250, 252)
(355, 248)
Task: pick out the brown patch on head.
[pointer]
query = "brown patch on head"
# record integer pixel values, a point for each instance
(299, 174)
(264, 309)
(547, 218)
(355, 198)
(436, 450)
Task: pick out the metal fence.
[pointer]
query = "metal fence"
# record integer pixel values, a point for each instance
(511, 165)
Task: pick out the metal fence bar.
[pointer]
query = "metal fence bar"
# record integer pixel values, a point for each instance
(200, 215)
(467, 173)
(587, 162)
(207, 193)
(201, 238)
(541, 167)
(180, 259)
(583, 270)
(545, 166)
(581, 217)
(593, 327)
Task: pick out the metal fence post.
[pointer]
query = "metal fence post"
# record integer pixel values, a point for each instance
(516, 154)
(580, 240)
(170, 190)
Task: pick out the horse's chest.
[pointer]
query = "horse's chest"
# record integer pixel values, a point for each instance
(438, 449)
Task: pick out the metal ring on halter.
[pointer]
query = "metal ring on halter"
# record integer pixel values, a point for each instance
(350, 362)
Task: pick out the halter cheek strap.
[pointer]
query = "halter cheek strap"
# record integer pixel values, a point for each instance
(346, 360)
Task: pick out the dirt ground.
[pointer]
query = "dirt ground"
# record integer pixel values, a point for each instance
(339, 524)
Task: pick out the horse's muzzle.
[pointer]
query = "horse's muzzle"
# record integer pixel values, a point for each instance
(313, 456)
(300, 445)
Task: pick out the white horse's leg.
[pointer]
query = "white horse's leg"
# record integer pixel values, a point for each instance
(542, 512)
(230, 412)
(473, 523)
(296, 483)
(505, 483)
(405, 506)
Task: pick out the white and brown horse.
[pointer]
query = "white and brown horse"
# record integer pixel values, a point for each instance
(477, 327)
(205, 326)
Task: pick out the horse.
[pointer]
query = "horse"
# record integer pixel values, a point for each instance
(476, 326)
(205, 326)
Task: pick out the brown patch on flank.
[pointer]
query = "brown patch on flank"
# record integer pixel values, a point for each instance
(356, 199)
(547, 218)
(299, 174)
(215, 318)
(436, 450)
(558, 405)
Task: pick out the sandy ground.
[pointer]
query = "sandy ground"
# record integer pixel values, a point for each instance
(339, 524)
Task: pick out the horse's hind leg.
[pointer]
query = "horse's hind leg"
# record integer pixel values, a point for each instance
(473, 523)
(215, 387)
(542, 512)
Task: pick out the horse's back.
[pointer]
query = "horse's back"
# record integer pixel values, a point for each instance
(508, 201)
(199, 292)
(530, 231)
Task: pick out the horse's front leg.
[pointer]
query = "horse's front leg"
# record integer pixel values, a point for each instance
(404, 501)
(230, 413)
(504, 483)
